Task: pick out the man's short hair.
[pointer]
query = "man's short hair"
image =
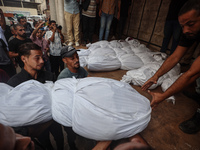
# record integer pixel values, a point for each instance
(190, 5)
(19, 19)
(25, 49)
(12, 27)
(52, 21)
(17, 25)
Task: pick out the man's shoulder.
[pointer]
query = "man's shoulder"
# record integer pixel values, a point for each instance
(65, 73)
(47, 76)
(14, 40)
(82, 69)
(28, 40)
(16, 79)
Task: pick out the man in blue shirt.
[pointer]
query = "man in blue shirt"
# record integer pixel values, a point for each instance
(72, 17)
(71, 59)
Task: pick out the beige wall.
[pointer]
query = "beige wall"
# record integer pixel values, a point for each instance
(31, 10)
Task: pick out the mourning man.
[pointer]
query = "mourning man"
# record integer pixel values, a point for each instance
(32, 57)
(71, 59)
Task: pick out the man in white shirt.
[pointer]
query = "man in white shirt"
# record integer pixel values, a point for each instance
(55, 38)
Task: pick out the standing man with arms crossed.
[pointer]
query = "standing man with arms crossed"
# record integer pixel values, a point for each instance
(189, 19)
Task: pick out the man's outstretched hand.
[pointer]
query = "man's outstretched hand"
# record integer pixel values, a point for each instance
(149, 83)
(156, 99)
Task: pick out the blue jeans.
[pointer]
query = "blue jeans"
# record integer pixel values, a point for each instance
(106, 21)
(172, 28)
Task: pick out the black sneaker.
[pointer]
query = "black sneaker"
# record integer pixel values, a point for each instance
(192, 125)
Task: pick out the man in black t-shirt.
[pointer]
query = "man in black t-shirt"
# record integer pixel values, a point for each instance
(189, 19)
(28, 29)
(32, 57)
(15, 43)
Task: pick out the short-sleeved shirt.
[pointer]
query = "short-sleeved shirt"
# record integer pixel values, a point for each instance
(66, 73)
(91, 11)
(23, 76)
(71, 6)
(14, 47)
(186, 42)
(108, 6)
(42, 43)
(56, 45)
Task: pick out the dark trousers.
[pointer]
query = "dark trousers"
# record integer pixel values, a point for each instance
(172, 29)
(71, 137)
(122, 23)
(88, 28)
(57, 64)
(56, 130)
(118, 24)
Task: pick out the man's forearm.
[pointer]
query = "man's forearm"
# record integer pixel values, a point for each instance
(184, 80)
(13, 54)
(171, 61)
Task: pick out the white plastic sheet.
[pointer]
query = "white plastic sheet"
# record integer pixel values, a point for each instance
(27, 104)
(141, 75)
(167, 83)
(128, 60)
(99, 108)
(103, 63)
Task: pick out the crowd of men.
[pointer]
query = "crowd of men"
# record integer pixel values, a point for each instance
(41, 56)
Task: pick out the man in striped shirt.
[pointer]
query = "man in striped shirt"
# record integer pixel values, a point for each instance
(88, 18)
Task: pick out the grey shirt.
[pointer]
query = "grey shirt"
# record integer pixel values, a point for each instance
(66, 73)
